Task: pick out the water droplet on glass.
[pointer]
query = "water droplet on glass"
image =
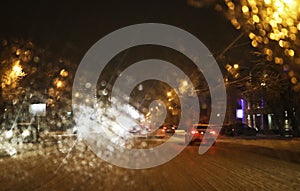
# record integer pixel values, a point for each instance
(4, 42)
(18, 52)
(36, 59)
(15, 101)
(105, 92)
(103, 83)
(33, 70)
(88, 85)
(140, 87)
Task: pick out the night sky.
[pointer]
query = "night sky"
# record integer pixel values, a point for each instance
(71, 28)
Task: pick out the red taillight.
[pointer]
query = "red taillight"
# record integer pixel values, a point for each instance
(164, 128)
(194, 132)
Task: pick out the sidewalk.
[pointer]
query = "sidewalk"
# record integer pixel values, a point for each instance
(272, 142)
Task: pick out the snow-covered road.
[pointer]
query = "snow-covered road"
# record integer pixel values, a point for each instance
(233, 164)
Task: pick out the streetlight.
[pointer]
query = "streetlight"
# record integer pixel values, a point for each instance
(236, 66)
(233, 70)
(64, 73)
(169, 93)
(58, 83)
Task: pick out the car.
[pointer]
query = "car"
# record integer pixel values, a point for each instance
(135, 130)
(140, 131)
(197, 132)
(169, 128)
(242, 129)
(227, 130)
(160, 133)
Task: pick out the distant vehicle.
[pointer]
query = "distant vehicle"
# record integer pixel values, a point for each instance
(197, 132)
(238, 129)
(231, 130)
(169, 128)
(160, 133)
(134, 130)
(140, 131)
(227, 130)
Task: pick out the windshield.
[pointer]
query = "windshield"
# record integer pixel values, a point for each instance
(117, 95)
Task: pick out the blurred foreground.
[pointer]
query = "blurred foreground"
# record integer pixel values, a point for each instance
(233, 164)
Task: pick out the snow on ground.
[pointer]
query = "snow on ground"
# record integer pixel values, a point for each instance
(272, 143)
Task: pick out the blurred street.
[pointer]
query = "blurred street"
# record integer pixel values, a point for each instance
(233, 164)
(87, 86)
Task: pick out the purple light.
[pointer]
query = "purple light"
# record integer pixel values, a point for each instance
(239, 113)
(242, 104)
(262, 103)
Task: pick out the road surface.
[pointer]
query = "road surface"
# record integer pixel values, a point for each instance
(230, 165)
